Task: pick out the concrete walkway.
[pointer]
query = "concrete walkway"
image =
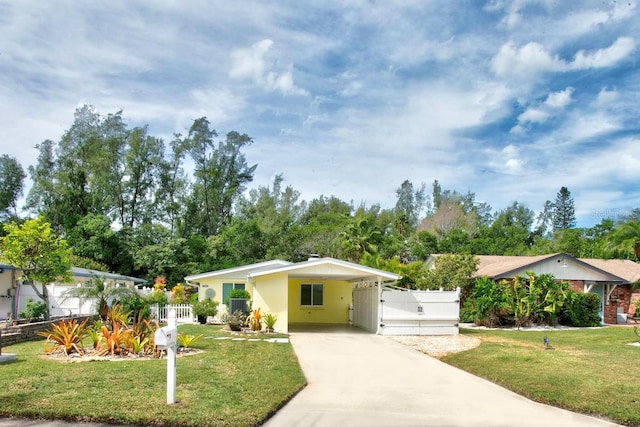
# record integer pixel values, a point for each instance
(361, 379)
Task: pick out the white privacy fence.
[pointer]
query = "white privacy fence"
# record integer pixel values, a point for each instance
(406, 312)
(184, 313)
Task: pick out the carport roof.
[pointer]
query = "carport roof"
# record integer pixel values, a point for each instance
(330, 268)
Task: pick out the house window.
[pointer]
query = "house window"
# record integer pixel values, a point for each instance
(312, 294)
(227, 287)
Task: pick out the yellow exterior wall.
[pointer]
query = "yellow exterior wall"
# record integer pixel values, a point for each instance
(215, 284)
(270, 295)
(337, 297)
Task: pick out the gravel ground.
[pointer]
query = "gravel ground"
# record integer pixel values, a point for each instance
(438, 346)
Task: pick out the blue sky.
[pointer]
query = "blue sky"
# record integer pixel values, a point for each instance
(510, 100)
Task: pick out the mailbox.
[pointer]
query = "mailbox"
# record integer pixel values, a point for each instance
(166, 337)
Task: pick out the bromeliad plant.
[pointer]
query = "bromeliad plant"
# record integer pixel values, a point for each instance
(115, 338)
(66, 336)
(255, 320)
(186, 341)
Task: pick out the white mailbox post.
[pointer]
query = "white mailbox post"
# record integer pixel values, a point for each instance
(166, 338)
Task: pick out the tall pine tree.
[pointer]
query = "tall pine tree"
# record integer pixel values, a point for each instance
(564, 215)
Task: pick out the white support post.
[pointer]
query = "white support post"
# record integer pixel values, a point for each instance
(379, 304)
(171, 362)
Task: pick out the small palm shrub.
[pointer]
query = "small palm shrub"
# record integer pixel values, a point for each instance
(270, 320)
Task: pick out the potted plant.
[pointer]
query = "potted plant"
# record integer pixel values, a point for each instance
(205, 308)
(269, 320)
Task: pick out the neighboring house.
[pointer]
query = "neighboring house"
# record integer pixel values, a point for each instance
(13, 298)
(315, 291)
(611, 279)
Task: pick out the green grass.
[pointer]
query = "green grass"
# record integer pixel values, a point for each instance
(232, 383)
(592, 371)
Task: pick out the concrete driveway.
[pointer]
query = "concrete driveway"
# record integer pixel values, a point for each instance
(361, 379)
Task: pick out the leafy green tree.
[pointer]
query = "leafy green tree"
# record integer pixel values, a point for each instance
(564, 215)
(138, 173)
(42, 196)
(422, 244)
(171, 194)
(321, 224)
(221, 173)
(413, 273)
(79, 175)
(409, 206)
(277, 214)
(38, 252)
(11, 185)
(509, 234)
(451, 271)
(93, 238)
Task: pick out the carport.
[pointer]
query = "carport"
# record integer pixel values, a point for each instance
(317, 292)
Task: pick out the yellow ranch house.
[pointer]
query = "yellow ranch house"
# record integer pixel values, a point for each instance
(317, 291)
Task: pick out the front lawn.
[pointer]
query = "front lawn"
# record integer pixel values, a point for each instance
(232, 383)
(591, 371)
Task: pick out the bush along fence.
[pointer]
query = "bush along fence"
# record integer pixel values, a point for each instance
(184, 313)
(529, 300)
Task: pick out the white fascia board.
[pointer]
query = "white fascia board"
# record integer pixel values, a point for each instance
(242, 270)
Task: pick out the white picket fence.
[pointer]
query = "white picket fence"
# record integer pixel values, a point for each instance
(184, 313)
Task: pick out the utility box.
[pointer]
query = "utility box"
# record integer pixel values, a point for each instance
(166, 337)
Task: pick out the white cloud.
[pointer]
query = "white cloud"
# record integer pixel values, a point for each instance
(560, 99)
(252, 64)
(601, 58)
(532, 59)
(606, 96)
(533, 115)
(555, 102)
(528, 60)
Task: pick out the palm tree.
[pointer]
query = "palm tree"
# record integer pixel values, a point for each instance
(98, 288)
(624, 240)
(360, 237)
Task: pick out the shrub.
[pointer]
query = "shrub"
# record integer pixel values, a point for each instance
(34, 310)
(135, 304)
(157, 297)
(487, 302)
(581, 310)
(205, 308)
